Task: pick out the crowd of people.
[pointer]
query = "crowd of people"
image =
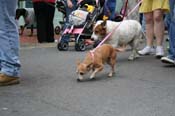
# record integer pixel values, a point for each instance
(153, 12)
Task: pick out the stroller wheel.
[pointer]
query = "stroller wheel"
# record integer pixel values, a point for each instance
(59, 46)
(80, 46)
(63, 46)
(57, 30)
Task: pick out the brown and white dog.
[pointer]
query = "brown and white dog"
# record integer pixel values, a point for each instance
(128, 32)
(95, 60)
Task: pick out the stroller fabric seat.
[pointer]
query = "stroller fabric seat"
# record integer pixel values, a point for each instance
(78, 17)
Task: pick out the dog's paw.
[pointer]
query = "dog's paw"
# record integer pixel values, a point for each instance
(137, 56)
(131, 58)
(92, 76)
(92, 79)
(110, 74)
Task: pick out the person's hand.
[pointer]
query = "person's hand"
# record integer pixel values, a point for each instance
(69, 3)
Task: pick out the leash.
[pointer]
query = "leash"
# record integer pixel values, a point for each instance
(137, 5)
(107, 36)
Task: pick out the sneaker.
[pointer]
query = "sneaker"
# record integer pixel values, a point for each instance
(147, 50)
(159, 52)
(168, 60)
(8, 80)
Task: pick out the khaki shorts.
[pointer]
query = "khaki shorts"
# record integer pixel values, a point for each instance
(151, 5)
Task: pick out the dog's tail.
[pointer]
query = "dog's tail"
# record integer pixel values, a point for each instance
(121, 49)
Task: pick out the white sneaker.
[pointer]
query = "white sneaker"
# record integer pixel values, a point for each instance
(159, 52)
(147, 50)
(168, 60)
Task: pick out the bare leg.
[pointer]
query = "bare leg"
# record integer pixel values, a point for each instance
(158, 26)
(149, 28)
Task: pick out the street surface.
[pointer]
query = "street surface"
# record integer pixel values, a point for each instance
(144, 87)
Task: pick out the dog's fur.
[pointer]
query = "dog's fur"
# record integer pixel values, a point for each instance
(128, 32)
(29, 18)
(94, 61)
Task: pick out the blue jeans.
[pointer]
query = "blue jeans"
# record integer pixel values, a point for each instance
(170, 23)
(111, 6)
(9, 39)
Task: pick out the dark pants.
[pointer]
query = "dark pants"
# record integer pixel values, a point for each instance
(44, 17)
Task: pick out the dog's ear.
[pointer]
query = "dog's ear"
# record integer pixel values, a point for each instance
(103, 24)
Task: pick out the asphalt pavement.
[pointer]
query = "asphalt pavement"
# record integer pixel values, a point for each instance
(144, 87)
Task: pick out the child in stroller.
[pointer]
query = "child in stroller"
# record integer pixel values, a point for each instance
(80, 25)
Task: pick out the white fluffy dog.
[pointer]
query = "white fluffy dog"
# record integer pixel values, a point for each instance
(128, 32)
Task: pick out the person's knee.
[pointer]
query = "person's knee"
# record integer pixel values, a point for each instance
(149, 19)
(158, 17)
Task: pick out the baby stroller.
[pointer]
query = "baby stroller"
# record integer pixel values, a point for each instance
(80, 26)
(61, 7)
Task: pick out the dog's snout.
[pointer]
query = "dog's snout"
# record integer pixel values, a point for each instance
(81, 73)
(92, 38)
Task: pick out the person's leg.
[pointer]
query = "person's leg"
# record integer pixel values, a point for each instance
(40, 13)
(170, 58)
(50, 28)
(172, 36)
(159, 27)
(149, 28)
(170, 23)
(69, 10)
(9, 42)
(66, 24)
(149, 25)
(112, 10)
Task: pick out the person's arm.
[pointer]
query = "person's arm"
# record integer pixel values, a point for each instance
(69, 3)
